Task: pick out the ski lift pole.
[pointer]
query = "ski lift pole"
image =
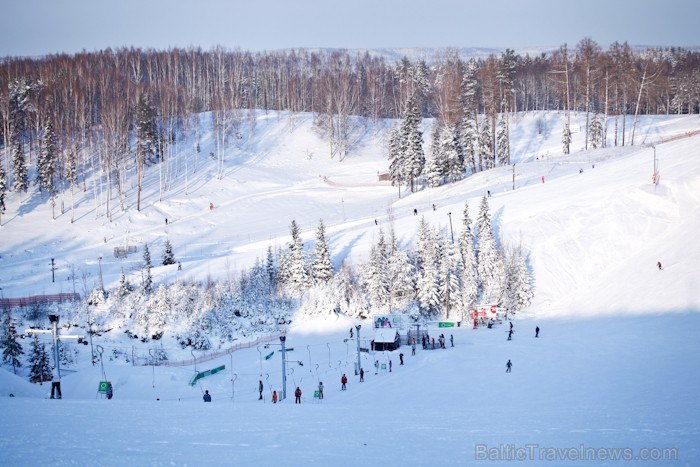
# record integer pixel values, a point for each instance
(100, 350)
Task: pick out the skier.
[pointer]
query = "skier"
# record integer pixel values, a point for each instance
(55, 382)
(350, 333)
(511, 325)
(343, 381)
(508, 366)
(320, 389)
(206, 396)
(274, 397)
(389, 366)
(376, 367)
(413, 347)
(658, 264)
(179, 266)
(423, 341)
(362, 375)
(452, 340)
(401, 358)
(415, 212)
(297, 396)
(542, 178)
(537, 331)
(510, 334)
(260, 390)
(110, 390)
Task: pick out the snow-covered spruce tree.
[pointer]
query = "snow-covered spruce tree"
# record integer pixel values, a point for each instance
(46, 163)
(375, 274)
(19, 168)
(294, 270)
(427, 271)
(347, 294)
(566, 139)
(451, 150)
(450, 278)
(486, 161)
(146, 141)
(271, 267)
(322, 267)
(72, 177)
(39, 362)
(502, 140)
(470, 275)
(470, 139)
(125, 287)
(401, 275)
(146, 270)
(518, 281)
(11, 348)
(433, 170)
(396, 154)
(412, 136)
(490, 264)
(595, 132)
(168, 256)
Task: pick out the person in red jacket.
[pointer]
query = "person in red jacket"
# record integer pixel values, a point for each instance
(344, 381)
(274, 397)
(297, 395)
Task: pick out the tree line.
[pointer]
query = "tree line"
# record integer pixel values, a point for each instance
(108, 114)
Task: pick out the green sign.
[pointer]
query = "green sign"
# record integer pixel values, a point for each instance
(317, 394)
(201, 375)
(269, 356)
(446, 324)
(104, 387)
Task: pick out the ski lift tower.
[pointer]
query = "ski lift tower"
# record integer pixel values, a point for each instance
(56, 338)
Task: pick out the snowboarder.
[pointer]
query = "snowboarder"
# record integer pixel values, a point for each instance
(415, 212)
(343, 381)
(401, 358)
(206, 396)
(362, 375)
(508, 366)
(297, 396)
(489, 193)
(375, 222)
(179, 266)
(55, 382)
(452, 340)
(376, 367)
(320, 389)
(537, 331)
(510, 334)
(166, 221)
(658, 264)
(274, 397)
(260, 390)
(413, 348)
(350, 333)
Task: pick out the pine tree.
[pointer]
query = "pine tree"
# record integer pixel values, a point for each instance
(414, 157)
(46, 163)
(427, 267)
(39, 362)
(489, 264)
(450, 279)
(595, 132)
(401, 275)
(294, 270)
(11, 348)
(433, 170)
(486, 161)
(168, 256)
(566, 138)
(470, 275)
(502, 140)
(19, 168)
(469, 140)
(518, 282)
(451, 153)
(397, 165)
(146, 141)
(146, 270)
(322, 267)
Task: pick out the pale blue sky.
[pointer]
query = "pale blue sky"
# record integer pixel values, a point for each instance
(37, 27)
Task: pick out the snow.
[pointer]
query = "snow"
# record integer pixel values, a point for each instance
(612, 368)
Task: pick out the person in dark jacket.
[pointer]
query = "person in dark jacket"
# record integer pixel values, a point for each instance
(260, 389)
(537, 331)
(508, 366)
(206, 396)
(297, 395)
(362, 375)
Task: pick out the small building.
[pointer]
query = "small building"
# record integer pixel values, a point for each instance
(386, 339)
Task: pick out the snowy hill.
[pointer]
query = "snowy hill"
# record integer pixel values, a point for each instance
(610, 371)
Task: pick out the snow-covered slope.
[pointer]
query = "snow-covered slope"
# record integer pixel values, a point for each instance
(613, 368)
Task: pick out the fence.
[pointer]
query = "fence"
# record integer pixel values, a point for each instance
(38, 300)
(148, 361)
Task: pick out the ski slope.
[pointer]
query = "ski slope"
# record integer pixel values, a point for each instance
(612, 368)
